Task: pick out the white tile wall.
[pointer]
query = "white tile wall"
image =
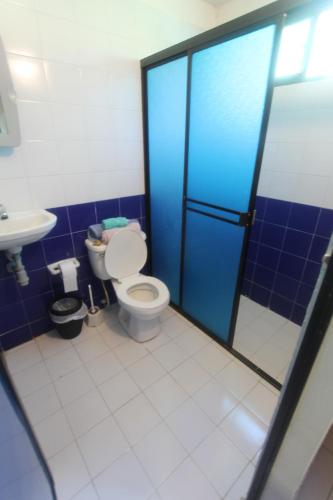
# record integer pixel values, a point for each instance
(75, 67)
(230, 9)
(298, 157)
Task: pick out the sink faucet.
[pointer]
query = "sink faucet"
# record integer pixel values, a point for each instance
(3, 212)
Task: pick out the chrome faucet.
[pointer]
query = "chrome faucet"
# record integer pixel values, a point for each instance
(3, 212)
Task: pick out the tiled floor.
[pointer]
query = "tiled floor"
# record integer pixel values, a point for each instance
(266, 338)
(175, 418)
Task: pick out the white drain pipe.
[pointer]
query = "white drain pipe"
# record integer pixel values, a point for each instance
(16, 266)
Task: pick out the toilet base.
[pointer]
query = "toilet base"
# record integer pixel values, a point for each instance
(140, 330)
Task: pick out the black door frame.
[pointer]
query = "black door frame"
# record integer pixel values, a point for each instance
(275, 13)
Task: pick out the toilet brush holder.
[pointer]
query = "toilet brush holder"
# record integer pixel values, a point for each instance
(95, 317)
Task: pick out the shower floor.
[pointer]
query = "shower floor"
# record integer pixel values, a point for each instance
(266, 338)
(175, 418)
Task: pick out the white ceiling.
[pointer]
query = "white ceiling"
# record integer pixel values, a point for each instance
(217, 3)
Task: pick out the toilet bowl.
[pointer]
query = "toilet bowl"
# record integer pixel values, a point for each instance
(141, 298)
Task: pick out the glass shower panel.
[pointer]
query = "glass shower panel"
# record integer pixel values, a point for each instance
(228, 95)
(210, 266)
(166, 93)
(229, 84)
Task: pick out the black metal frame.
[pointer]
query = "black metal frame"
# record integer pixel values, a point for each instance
(316, 324)
(294, 9)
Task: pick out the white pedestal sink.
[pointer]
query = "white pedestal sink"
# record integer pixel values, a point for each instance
(22, 228)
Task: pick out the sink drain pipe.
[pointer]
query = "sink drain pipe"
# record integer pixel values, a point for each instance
(16, 266)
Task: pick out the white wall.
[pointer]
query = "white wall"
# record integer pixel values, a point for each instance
(75, 66)
(298, 157)
(235, 8)
(308, 428)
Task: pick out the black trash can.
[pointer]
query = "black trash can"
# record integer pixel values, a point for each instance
(67, 314)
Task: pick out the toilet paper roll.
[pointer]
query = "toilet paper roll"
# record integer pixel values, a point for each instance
(69, 275)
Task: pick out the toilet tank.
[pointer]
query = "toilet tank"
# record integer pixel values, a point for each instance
(96, 255)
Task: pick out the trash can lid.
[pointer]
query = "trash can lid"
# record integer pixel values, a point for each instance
(65, 306)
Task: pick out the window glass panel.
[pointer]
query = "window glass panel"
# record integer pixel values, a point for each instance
(291, 53)
(321, 57)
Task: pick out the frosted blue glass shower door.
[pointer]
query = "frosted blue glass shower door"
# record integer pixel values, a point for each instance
(229, 83)
(166, 115)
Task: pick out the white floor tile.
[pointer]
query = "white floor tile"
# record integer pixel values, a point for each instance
(104, 367)
(31, 379)
(129, 353)
(175, 325)
(73, 385)
(86, 411)
(41, 403)
(23, 356)
(187, 483)
(51, 343)
(54, 433)
(165, 395)
(63, 363)
(220, 461)
(271, 358)
(69, 472)
(125, 479)
(87, 333)
(166, 313)
(190, 425)
(191, 341)
(190, 375)
(91, 348)
(170, 355)
(102, 445)
(160, 453)
(118, 390)
(266, 338)
(158, 341)
(212, 358)
(87, 493)
(245, 430)
(215, 400)
(238, 379)
(262, 402)
(136, 418)
(241, 486)
(113, 335)
(146, 371)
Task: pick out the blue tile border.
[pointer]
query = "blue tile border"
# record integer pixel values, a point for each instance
(24, 310)
(286, 246)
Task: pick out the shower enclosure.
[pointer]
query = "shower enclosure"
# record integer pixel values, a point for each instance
(206, 112)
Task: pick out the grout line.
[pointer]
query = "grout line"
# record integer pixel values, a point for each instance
(141, 391)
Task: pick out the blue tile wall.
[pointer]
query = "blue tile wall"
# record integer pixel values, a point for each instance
(287, 243)
(24, 310)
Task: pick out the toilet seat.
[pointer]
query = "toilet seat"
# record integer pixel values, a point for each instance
(125, 254)
(123, 289)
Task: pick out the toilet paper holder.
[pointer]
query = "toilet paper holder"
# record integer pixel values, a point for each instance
(55, 268)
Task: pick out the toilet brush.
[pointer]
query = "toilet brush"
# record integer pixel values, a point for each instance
(95, 315)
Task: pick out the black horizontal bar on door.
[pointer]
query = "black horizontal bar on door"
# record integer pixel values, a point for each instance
(217, 207)
(223, 219)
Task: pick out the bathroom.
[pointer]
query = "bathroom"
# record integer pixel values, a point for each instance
(83, 72)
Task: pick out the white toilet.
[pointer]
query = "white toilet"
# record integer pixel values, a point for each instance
(141, 298)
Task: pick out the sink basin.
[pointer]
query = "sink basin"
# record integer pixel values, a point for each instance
(22, 228)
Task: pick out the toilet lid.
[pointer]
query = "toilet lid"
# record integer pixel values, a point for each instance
(125, 254)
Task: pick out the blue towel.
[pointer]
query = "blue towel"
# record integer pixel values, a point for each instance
(95, 232)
